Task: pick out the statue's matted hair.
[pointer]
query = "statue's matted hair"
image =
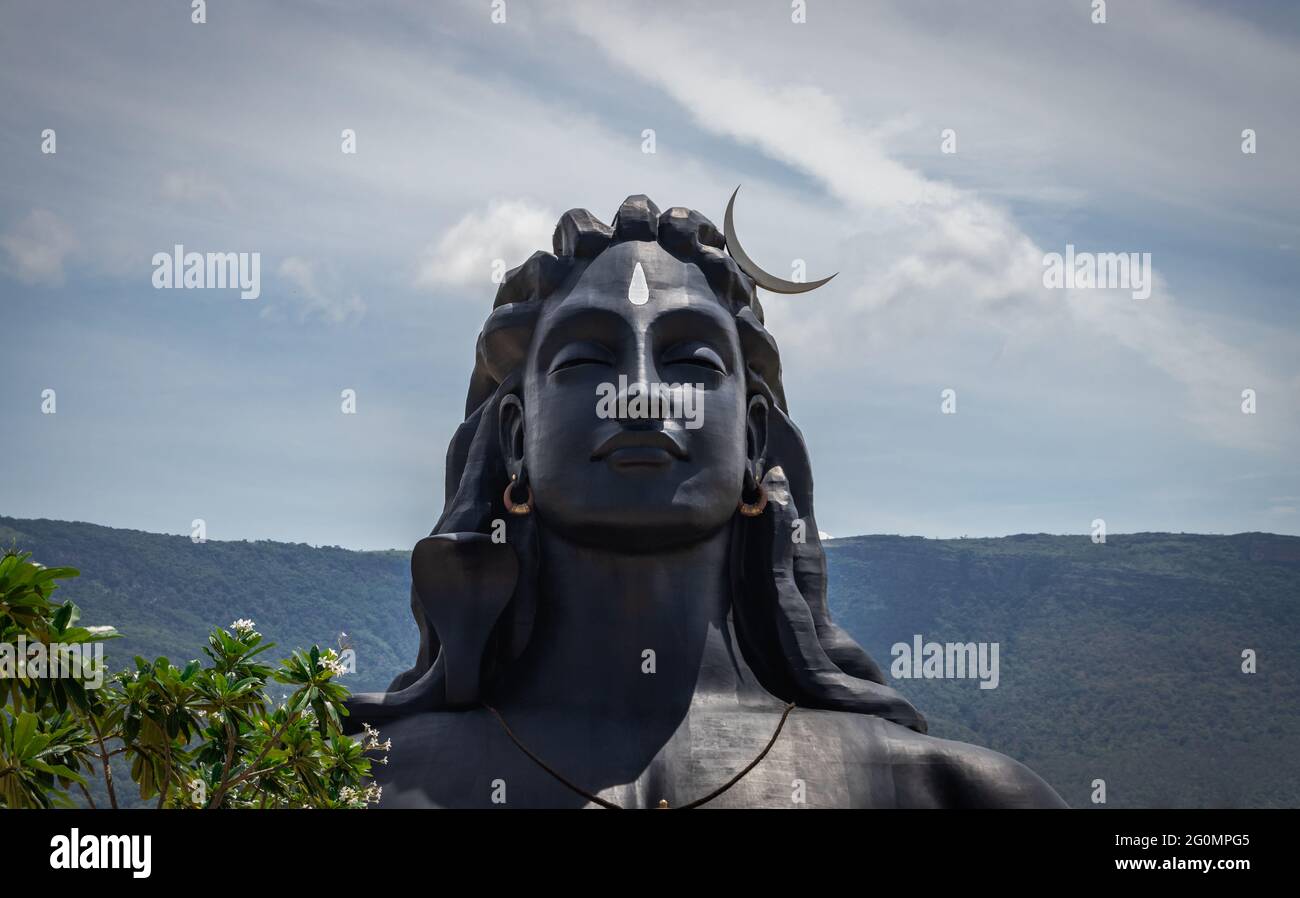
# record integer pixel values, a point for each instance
(778, 594)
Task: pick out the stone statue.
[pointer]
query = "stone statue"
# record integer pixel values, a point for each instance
(623, 603)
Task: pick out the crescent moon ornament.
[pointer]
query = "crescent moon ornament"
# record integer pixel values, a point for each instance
(760, 277)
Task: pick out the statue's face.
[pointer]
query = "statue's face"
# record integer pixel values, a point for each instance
(627, 473)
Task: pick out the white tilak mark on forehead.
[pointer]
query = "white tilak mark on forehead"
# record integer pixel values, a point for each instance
(638, 291)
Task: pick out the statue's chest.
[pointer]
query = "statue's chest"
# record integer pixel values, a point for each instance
(469, 760)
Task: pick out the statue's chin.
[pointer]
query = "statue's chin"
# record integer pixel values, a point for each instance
(637, 534)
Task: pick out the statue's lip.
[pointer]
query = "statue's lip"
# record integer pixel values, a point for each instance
(639, 439)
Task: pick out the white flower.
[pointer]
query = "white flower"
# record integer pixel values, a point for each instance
(329, 660)
(244, 628)
(354, 798)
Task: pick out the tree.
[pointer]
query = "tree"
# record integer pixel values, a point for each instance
(204, 735)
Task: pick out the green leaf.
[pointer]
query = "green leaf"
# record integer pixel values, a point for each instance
(58, 770)
(24, 730)
(65, 616)
(45, 575)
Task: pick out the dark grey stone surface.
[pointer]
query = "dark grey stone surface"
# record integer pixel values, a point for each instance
(635, 631)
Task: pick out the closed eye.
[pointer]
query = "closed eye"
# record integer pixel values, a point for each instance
(575, 363)
(581, 353)
(697, 354)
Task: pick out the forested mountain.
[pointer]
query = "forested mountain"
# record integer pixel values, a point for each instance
(1119, 661)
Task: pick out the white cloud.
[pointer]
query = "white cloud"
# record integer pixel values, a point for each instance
(36, 247)
(1073, 406)
(191, 187)
(330, 303)
(508, 230)
(928, 261)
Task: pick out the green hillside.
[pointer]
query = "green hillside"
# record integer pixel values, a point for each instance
(1119, 661)
(165, 592)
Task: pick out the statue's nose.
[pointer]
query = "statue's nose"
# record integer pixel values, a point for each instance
(642, 379)
(642, 400)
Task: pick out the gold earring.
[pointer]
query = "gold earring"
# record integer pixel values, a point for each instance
(526, 506)
(754, 509)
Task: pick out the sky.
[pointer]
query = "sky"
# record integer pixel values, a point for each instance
(472, 136)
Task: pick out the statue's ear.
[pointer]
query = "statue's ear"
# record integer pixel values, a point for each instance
(510, 429)
(756, 433)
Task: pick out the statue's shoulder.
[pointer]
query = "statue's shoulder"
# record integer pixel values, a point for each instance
(932, 772)
(435, 730)
(439, 759)
(428, 724)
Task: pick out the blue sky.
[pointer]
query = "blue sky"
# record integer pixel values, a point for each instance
(472, 138)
